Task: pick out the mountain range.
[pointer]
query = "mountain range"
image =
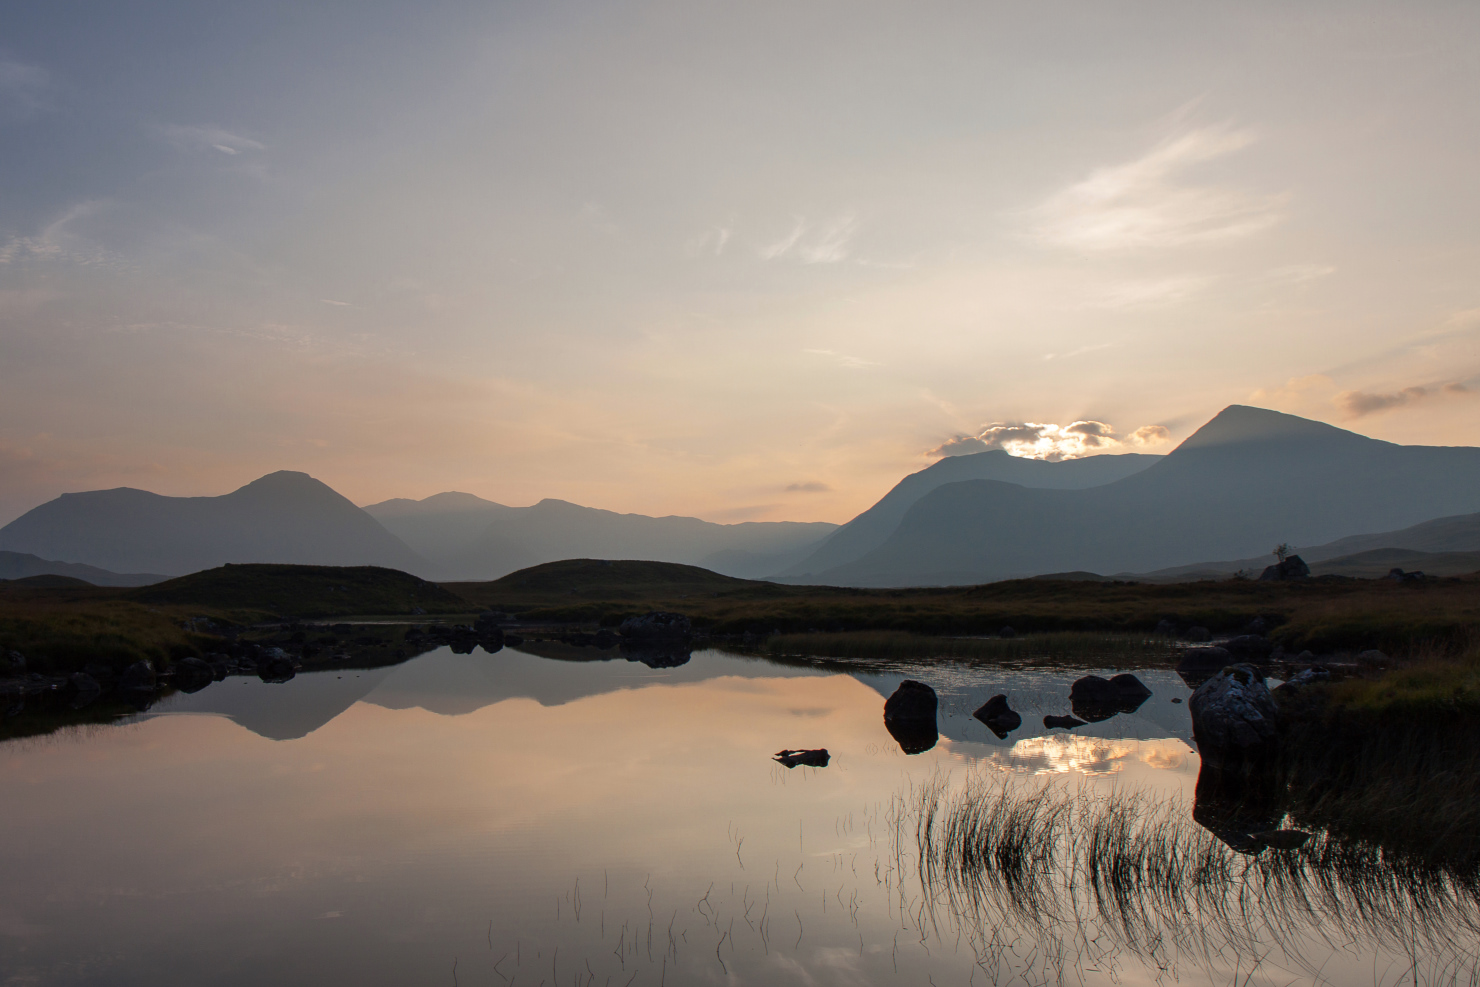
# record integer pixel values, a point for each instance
(469, 538)
(1248, 479)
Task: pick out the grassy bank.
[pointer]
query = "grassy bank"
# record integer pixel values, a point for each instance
(1321, 615)
(901, 645)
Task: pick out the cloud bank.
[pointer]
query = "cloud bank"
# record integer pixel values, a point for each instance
(1055, 443)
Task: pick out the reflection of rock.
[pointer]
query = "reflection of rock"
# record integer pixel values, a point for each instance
(1235, 806)
(85, 690)
(913, 736)
(1095, 698)
(812, 759)
(909, 715)
(192, 674)
(1067, 722)
(1233, 719)
(999, 717)
(136, 685)
(656, 656)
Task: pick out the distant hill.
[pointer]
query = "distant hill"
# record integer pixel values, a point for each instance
(583, 580)
(306, 591)
(1446, 535)
(20, 565)
(1248, 477)
(283, 517)
(873, 527)
(468, 538)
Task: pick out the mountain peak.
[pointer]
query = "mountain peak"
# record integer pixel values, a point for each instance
(1240, 423)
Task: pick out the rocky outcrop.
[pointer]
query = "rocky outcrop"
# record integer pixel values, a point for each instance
(1290, 567)
(1234, 718)
(999, 718)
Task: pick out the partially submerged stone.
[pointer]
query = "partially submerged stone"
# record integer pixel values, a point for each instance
(1234, 717)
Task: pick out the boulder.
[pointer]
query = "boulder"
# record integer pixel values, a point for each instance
(1006, 632)
(85, 690)
(909, 716)
(1234, 718)
(192, 674)
(1372, 657)
(1000, 718)
(15, 663)
(1198, 664)
(1067, 722)
(1095, 698)
(1165, 628)
(1291, 567)
(136, 685)
(1199, 635)
(813, 759)
(911, 701)
(275, 665)
(655, 627)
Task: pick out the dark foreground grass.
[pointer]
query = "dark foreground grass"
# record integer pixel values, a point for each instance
(62, 630)
(1087, 879)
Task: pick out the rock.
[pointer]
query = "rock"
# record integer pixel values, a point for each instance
(1306, 656)
(192, 674)
(1398, 575)
(1234, 718)
(1067, 722)
(1006, 632)
(102, 674)
(1372, 657)
(999, 717)
(1291, 567)
(136, 685)
(1177, 699)
(1095, 698)
(1258, 626)
(911, 701)
(1199, 664)
(813, 759)
(17, 663)
(1248, 647)
(1165, 628)
(909, 716)
(1199, 635)
(275, 665)
(85, 690)
(656, 626)
(657, 656)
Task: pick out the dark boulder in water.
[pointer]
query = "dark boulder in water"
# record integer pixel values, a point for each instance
(656, 626)
(192, 674)
(813, 759)
(85, 690)
(1095, 698)
(1234, 719)
(1000, 718)
(1199, 635)
(1248, 647)
(909, 716)
(1200, 664)
(276, 665)
(911, 701)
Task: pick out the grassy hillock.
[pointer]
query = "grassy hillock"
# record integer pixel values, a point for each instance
(304, 591)
(60, 629)
(1321, 614)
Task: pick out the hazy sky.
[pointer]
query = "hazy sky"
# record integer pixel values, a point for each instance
(738, 260)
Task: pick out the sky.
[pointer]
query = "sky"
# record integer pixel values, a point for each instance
(738, 261)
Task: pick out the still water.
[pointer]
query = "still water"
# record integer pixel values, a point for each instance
(513, 819)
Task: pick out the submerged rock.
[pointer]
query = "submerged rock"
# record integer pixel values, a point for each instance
(1234, 718)
(813, 759)
(1000, 718)
(1067, 722)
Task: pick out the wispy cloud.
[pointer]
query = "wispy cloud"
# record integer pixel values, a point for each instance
(1144, 203)
(1080, 351)
(844, 360)
(1357, 404)
(332, 301)
(1035, 440)
(810, 486)
(23, 89)
(57, 241)
(827, 244)
(210, 139)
